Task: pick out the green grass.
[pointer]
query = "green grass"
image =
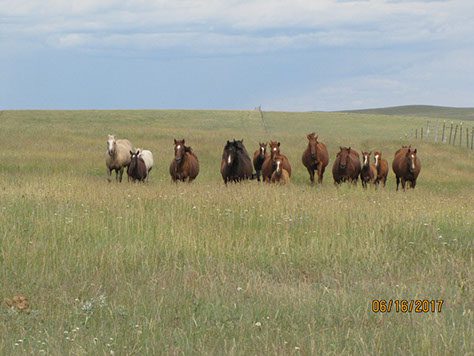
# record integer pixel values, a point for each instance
(243, 269)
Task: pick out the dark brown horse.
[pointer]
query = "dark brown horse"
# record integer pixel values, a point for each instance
(368, 172)
(382, 168)
(136, 170)
(185, 164)
(346, 167)
(258, 159)
(315, 157)
(269, 165)
(406, 165)
(236, 164)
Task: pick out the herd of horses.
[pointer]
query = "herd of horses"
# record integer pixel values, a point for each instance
(272, 167)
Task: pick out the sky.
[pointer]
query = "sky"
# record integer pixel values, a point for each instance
(295, 55)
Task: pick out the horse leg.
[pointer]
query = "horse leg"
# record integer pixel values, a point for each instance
(413, 183)
(109, 174)
(120, 174)
(398, 181)
(403, 184)
(311, 175)
(320, 174)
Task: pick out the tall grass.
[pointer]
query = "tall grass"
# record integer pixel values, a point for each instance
(243, 269)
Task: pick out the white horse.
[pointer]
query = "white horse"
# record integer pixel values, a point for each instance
(117, 156)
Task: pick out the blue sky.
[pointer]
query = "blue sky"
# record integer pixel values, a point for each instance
(295, 55)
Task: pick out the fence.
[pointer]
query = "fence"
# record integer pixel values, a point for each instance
(456, 134)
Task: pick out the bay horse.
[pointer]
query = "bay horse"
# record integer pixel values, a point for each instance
(315, 157)
(258, 159)
(280, 175)
(269, 165)
(235, 164)
(137, 170)
(407, 166)
(368, 172)
(346, 167)
(185, 164)
(382, 168)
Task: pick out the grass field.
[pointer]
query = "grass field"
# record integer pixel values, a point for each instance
(243, 269)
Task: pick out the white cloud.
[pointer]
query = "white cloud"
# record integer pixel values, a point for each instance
(252, 25)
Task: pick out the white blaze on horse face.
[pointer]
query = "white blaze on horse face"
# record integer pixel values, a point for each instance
(274, 149)
(413, 162)
(278, 166)
(229, 159)
(262, 149)
(366, 157)
(376, 160)
(110, 144)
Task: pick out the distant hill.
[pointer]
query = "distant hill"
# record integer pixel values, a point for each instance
(439, 112)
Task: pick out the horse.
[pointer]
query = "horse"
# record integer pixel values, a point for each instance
(137, 170)
(258, 159)
(235, 164)
(185, 165)
(382, 168)
(147, 157)
(346, 167)
(407, 166)
(280, 175)
(269, 164)
(315, 157)
(117, 157)
(368, 172)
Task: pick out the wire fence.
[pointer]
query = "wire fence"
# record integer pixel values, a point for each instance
(456, 134)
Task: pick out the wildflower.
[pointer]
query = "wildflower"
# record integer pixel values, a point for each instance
(259, 324)
(239, 289)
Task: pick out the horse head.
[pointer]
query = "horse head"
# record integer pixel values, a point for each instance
(274, 148)
(111, 145)
(377, 157)
(411, 159)
(179, 149)
(366, 158)
(343, 157)
(312, 144)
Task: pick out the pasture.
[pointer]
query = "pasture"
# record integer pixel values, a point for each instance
(245, 269)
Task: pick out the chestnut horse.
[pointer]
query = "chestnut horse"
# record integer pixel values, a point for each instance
(235, 164)
(406, 165)
(280, 175)
(368, 172)
(382, 168)
(269, 164)
(185, 165)
(346, 167)
(258, 159)
(315, 157)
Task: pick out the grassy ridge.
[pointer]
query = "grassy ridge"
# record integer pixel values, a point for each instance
(241, 269)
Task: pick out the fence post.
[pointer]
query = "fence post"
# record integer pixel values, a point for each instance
(450, 132)
(427, 129)
(443, 138)
(421, 134)
(455, 133)
(416, 134)
(467, 137)
(460, 134)
(472, 137)
(436, 132)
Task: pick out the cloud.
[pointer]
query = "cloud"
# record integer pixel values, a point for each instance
(211, 26)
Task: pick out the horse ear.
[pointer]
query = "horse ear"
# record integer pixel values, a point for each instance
(183, 141)
(131, 153)
(414, 151)
(278, 144)
(242, 140)
(316, 137)
(175, 141)
(349, 149)
(308, 136)
(228, 142)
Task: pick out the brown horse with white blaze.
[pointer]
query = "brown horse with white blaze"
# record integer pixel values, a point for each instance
(407, 166)
(259, 157)
(381, 165)
(315, 157)
(269, 165)
(368, 172)
(185, 164)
